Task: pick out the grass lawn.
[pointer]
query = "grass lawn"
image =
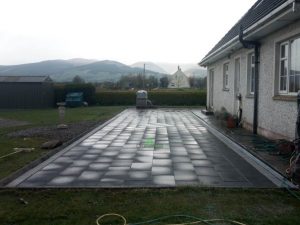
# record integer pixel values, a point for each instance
(38, 118)
(74, 206)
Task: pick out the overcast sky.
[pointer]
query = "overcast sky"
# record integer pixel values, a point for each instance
(176, 31)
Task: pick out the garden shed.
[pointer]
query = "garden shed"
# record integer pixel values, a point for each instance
(26, 92)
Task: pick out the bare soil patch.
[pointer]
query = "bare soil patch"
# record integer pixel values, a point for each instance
(52, 132)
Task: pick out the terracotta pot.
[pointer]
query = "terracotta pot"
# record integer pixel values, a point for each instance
(231, 123)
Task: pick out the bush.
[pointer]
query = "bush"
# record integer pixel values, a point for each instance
(159, 98)
(115, 98)
(88, 90)
(178, 98)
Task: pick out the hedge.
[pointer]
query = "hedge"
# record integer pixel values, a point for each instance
(87, 89)
(159, 98)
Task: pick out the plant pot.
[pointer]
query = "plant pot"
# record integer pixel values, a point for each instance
(231, 123)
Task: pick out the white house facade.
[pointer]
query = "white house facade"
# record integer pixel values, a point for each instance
(259, 61)
(179, 80)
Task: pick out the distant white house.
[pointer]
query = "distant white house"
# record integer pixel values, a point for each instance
(179, 80)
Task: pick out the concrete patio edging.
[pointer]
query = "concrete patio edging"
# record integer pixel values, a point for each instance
(266, 170)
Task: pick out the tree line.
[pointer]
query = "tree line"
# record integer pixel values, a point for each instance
(140, 81)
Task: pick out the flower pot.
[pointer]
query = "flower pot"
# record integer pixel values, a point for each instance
(231, 123)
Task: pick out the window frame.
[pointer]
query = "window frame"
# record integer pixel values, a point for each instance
(250, 74)
(226, 77)
(288, 59)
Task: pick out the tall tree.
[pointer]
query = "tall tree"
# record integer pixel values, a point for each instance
(164, 82)
(78, 80)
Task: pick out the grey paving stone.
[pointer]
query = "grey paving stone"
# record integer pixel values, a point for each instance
(99, 166)
(182, 159)
(187, 183)
(183, 166)
(164, 180)
(90, 156)
(197, 156)
(210, 180)
(100, 146)
(42, 175)
(140, 175)
(186, 175)
(231, 177)
(179, 153)
(105, 159)
(143, 159)
(62, 181)
(144, 153)
(141, 166)
(110, 153)
(138, 183)
(122, 162)
(110, 182)
(202, 162)
(72, 170)
(162, 170)
(94, 151)
(126, 156)
(162, 162)
(161, 155)
(54, 166)
(117, 174)
(82, 162)
(63, 160)
(90, 175)
(74, 153)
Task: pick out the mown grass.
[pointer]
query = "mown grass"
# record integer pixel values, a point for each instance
(50, 116)
(38, 118)
(82, 207)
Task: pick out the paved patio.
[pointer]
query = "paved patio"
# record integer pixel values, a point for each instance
(146, 148)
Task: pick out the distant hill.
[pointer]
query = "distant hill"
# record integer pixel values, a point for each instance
(81, 61)
(37, 69)
(66, 70)
(149, 66)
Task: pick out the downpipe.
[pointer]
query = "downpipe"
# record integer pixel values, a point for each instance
(256, 46)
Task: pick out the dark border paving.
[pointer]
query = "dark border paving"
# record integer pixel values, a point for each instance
(147, 148)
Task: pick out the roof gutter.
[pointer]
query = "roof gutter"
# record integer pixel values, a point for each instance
(235, 41)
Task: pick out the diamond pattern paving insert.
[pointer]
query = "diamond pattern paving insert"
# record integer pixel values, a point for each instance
(148, 148)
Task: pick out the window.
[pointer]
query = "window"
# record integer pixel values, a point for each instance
(289, 67)
(251, 73)
(225, 76)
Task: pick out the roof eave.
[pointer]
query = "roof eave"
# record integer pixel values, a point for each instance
(256, 31)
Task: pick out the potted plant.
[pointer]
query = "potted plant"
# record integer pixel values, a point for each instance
(231, 121)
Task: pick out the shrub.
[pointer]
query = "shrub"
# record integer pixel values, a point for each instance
(115, 98)
(159, 98)
(180, 98)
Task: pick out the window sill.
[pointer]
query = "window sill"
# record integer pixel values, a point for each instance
(249, 96)
(288, 98)
(226, 89)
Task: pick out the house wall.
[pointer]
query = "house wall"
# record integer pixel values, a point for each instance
(276, 118)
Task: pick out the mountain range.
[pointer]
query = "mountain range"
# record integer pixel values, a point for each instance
(88, 69)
